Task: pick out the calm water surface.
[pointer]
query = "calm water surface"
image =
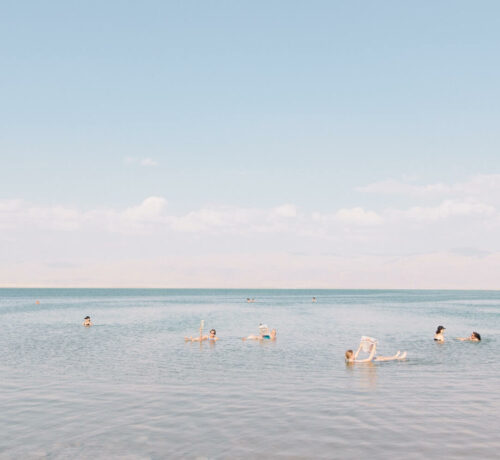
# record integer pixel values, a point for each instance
(130, 388)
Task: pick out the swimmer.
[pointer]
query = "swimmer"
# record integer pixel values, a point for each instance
(87, 322)
(211, 337)
(352, 357)
(439, 335)
(474, 337)
(314, 300)
(264, 334)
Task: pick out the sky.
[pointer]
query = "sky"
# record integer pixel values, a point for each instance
(250, 144)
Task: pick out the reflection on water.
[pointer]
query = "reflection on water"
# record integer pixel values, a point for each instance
(365, 374)
(131, 387)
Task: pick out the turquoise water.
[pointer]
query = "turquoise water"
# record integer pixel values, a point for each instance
(130, 387)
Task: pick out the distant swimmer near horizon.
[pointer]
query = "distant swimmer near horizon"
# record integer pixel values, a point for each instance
(264, 334)
(87, 322)
(369, 344)
(474, 337)
(439, 335)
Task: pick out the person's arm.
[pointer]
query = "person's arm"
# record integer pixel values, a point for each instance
(463, 339)
(370, 358)
(357, 351)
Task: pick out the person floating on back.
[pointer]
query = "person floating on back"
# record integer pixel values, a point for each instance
(439, 335)
(264, 334)
(87, 322)
(369, 344)
(211, 337)
(474, 337)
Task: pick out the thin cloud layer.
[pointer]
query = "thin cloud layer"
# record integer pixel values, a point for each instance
(413, 246)
(481, 187)
(140, 161)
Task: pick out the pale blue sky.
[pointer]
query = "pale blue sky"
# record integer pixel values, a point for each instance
(249, 104)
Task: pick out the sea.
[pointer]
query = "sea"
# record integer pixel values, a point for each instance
(130, 387)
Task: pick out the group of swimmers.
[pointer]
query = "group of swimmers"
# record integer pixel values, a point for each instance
(367, 344)
(439, 336)
(264, 334)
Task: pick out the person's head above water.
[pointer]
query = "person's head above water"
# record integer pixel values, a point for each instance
(440, 329)
(213, 332)
(475, 336)
(87, 317)
(349, 355)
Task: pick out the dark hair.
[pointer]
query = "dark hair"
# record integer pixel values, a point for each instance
(87, 317)
(214, 331)
(477, 335)
(439, 329)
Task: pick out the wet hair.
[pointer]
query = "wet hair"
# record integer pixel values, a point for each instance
(349, 354)
(477, 335)
(439, 329)
(87, 317)
(214, 331)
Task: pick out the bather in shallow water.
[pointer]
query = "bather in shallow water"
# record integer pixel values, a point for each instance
(369, 344)
(439, 335)
(87, 322)
(264, 334)
(474, 337)
(211, 337)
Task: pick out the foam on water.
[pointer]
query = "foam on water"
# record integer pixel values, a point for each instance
(130, 387)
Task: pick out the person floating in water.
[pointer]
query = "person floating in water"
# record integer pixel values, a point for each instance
(264, 334)
(439, 335)
(87, 322)
(211, 337)
(314, 300)
(369, 344)
(474, 337)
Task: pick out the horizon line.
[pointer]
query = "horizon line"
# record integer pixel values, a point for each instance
(249, 289)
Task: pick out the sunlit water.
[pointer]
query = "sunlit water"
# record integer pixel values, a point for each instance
(130, 387)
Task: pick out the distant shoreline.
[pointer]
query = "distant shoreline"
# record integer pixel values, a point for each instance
(311, 290)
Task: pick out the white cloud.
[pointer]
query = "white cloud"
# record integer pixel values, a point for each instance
(394, 187)
(203, 220)
(449, 209)
(148, 162)
(235, 220)
(150, 210)
(286, 210)
(20, 214)
(358, 216)
(485, 187)
(140, 161)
